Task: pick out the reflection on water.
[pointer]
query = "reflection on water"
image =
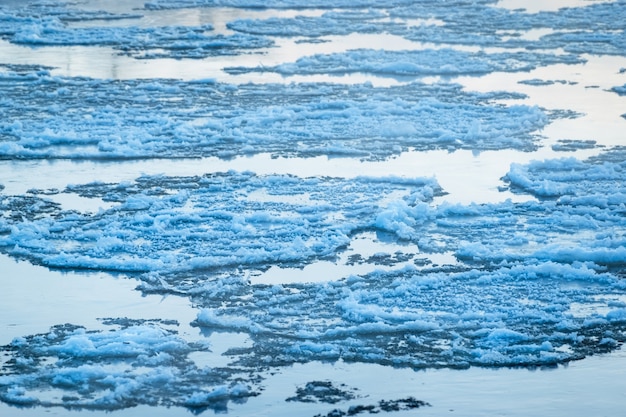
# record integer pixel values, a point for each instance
(573, 391)
(34, 298)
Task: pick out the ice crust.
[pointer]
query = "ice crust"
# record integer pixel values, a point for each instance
(442, 62)
(274, 4)
(143, 43)
(209, 222)
(49, 27)
(516, 298)
(233, 219)
(53, 117)
(595, 29)
(534, 284)
(575, 30)
(133, 363)
(621, 90)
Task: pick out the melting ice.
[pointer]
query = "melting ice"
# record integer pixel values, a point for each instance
(407, 277)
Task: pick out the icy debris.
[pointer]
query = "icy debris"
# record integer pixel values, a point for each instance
(330, 23)
(64, 11)
(595, 25)
(163, 42)
(52, 117)
(382, 406)
(541, 83)
(507, 316)
(579, 217)
(537, 283)
(597, 42)
(323, 391)
(273, 4)
(217, 221)
(43, 24)
(573, 177)
(571, 145)
(207, 222)
(533, 261)
(595, 28)
(621, 90)
(134, 364)
(425, 62)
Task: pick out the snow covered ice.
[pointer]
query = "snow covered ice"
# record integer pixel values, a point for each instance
(385, 187)
(213, 119)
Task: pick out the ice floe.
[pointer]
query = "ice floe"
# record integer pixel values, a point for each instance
(274, 4)
(136, 362)
(591, 29)
(443, 62)
(420, 282)
(164, 42)
(154, 42)
(621, 90)
(53, 117)
(514, 298)
(208, 222)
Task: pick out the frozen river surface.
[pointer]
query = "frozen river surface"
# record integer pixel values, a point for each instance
(301, 208)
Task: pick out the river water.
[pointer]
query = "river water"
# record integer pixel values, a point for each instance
(34, 298)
